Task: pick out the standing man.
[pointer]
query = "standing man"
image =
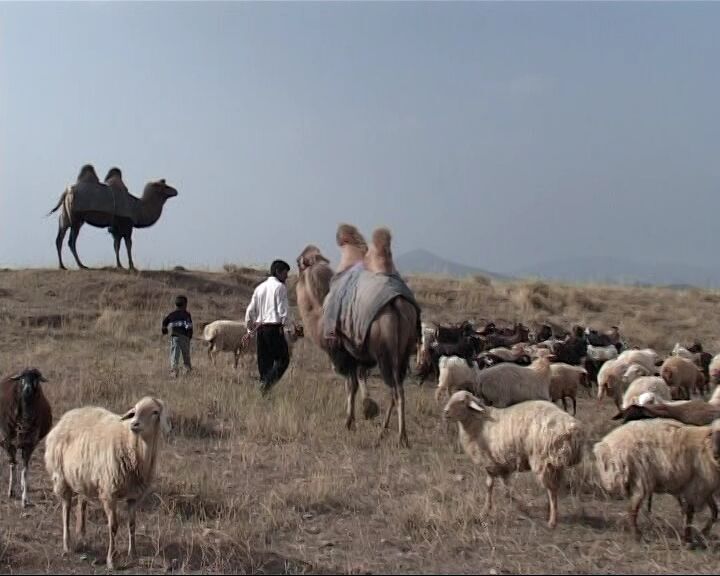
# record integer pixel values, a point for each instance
(267, 315)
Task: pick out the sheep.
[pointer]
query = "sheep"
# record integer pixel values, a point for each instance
(502, 385)
(647, 357)
(25, 419)
(232, 336)
(692, 412)
(93, 452)
(714, 370)
(681, 372)
(662, 456)
(428, 336)
(651, 398)
(682, 352)
(644, 385)
(534, 435)
(454, 372)
(564, 380)
(602, 352)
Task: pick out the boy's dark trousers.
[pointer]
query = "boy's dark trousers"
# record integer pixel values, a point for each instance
(272, 354)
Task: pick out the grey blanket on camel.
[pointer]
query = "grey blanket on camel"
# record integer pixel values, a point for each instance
(102, 198)
(355, 298)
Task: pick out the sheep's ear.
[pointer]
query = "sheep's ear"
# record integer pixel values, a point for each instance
(129, 414)
(16, 377)
(476, 407)
(42, 378)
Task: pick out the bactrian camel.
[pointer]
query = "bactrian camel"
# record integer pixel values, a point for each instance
(108, 205)
(393, 333)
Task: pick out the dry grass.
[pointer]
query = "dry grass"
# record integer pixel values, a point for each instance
(277, 485)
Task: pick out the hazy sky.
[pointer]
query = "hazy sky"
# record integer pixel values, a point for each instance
(494, 134)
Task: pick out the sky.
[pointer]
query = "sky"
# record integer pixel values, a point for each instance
(495, 134)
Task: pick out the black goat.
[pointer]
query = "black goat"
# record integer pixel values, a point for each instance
(25, 419)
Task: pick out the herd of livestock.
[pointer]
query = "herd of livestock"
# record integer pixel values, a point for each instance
(501, 385)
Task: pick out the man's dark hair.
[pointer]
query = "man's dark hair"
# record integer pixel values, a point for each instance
(181, 301)
(279, 266)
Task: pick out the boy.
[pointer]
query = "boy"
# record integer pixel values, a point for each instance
(181, 330)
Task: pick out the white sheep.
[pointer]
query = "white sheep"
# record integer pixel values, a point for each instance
(602, 352)
(647, 357)
(428, 335)
(651, 398)
(534, 435)
(645, 385)
(501, 385)
(714, 370)
(232, 336)
(683, 352)
(95, 453)
(662, 456)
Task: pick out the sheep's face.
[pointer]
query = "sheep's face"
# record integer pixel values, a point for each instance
(460, 404)
(29, 380)
(146, 416)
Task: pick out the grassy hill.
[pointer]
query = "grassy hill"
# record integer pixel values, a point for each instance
(247, 484)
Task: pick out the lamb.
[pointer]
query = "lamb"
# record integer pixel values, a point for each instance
(502, 385)
(564, 381)
(93, 452)
(644, 385)
(683, 373)
(232, 336)
(662, 456)
(534, 435)
(614, 375)
(25, 419)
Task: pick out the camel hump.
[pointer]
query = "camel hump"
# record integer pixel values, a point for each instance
(381, 240)
(88, 174)
(379, 256)
(114, 172)
(347, 234)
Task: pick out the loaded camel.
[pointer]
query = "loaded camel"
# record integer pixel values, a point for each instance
(370, 317)
(107, 205)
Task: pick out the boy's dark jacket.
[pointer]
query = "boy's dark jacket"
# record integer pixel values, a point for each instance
(179, 322)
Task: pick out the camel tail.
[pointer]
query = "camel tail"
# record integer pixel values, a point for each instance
(59, 204)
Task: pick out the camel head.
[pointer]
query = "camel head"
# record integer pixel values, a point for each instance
(159, 189)
(309, 257)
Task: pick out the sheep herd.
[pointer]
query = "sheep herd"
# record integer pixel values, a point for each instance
(500, 387)
(508, 421)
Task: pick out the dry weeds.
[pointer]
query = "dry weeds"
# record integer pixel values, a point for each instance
(277, 485)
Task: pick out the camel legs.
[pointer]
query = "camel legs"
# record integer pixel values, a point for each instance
(116, 246)
(128, 247)
(351, 388)
(74, 231)
(402, 434)
(62, 230)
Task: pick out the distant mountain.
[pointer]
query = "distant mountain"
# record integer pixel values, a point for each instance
(425, 262)
(619, 271)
